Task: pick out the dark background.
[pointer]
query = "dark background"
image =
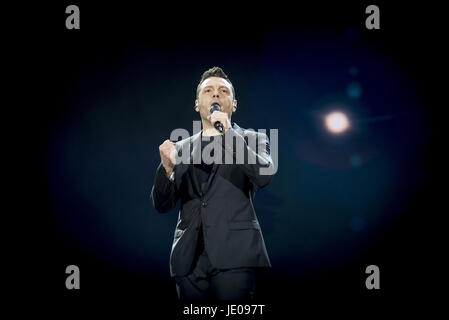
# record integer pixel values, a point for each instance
(105, 96)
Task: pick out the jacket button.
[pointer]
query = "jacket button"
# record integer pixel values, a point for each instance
(204, 204)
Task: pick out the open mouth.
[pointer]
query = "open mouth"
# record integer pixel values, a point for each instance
(215, 106)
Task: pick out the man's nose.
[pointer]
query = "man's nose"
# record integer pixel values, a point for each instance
(215, 95)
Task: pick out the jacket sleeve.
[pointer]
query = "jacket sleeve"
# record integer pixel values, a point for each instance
(163, 194)
(262, 171)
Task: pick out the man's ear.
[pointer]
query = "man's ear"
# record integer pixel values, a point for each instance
(197, 109)
(234, 105)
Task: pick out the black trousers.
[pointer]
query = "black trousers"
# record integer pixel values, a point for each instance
(207, 283)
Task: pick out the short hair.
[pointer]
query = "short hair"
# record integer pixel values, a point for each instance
(214, 72)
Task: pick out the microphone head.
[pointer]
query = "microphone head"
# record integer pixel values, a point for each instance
(214, 107)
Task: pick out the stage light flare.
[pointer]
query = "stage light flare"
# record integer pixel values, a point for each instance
(337, 122)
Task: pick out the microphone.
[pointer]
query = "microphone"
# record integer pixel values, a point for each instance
(217, 125)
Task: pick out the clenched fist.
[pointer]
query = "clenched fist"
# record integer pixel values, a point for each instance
(168, 156)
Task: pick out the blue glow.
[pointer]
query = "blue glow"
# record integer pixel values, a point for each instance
(354, 90)
(356, 160)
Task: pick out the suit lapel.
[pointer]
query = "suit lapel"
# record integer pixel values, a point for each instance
(182, 168)
(195, 156)
(212, 174)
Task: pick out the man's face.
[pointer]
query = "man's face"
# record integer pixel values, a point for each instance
(215, 90)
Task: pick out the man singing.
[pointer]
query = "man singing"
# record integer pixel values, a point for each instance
(218, 245)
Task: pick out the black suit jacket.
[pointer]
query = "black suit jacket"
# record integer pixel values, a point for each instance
(232, 234)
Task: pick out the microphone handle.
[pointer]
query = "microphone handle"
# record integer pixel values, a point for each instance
(218, 126)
